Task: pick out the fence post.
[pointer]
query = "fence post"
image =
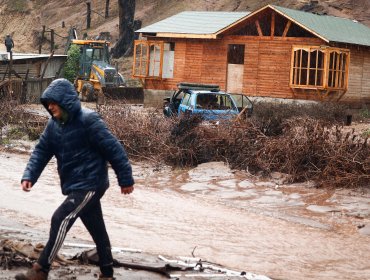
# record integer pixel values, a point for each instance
(10, 72)
(52, 43)
(42, 38)
(88, 17)
(106, 8)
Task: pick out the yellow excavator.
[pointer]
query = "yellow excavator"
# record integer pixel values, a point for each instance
(95, 74)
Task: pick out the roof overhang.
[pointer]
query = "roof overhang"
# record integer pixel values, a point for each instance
(210, 31)
(182, 35)
(321, 28)
(29, 56)
(299, 24)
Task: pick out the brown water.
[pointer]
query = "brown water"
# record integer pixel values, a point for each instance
(282, 231)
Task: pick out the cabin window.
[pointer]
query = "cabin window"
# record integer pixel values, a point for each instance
(141, 63)
(337, 69)
(235, 54)
(153, 59)
(318, 67)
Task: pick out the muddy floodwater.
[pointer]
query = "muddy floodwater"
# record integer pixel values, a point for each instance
(284, 231)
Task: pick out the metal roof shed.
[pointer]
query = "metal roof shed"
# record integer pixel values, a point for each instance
(31, 73)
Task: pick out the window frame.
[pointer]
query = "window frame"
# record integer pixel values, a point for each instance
(338, 68)
(149, 58)
(143, 58)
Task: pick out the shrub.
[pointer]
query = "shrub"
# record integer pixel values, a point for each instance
(365, 113)
(71, 66)
(307, 148)
(8, 114)
(270, 116)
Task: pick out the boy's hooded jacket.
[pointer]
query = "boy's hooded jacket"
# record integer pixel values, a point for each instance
(82, 145)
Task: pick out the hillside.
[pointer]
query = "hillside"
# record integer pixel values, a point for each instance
(23, 19)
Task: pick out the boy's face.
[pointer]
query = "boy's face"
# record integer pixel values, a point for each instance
(55, 110)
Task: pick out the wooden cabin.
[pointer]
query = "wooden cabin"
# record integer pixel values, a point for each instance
(272, 52)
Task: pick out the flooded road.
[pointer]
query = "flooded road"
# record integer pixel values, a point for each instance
(230, 218)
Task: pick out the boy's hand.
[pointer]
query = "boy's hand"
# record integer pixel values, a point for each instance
(127, 190)
(26, 185)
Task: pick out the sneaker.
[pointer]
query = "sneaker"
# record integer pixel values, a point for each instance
(34, 273)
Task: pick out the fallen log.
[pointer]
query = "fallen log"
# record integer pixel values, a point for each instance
(91, 257)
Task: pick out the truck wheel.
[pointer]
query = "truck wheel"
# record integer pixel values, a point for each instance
(87, 92)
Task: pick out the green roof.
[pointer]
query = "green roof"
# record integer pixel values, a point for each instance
(195, 23)
(329, 28)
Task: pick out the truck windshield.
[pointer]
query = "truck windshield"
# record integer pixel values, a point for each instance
(214, 102)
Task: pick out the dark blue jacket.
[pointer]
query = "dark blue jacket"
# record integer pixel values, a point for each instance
(83, 145)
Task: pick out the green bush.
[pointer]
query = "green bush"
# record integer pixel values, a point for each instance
(365, 113)
(72, 64)
(366, 133)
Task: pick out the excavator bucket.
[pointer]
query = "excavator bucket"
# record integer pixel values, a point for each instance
(130, 95)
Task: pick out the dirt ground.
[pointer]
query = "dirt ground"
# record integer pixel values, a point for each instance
(263, 226)
(226, 217)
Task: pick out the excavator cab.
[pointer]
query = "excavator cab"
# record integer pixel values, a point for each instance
(95, 74)
(91, 51)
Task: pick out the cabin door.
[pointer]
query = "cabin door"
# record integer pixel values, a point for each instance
(235, 68)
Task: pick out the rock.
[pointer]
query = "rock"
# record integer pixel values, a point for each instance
(279, 178)
(246, 184)
(228, 183)
(210, 170)
(365, 230)
(196, 186)
(321, 209)
(266, 184)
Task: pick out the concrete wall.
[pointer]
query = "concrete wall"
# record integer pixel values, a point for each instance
(155, 98)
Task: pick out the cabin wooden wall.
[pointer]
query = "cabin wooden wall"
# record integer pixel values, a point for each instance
(359, 76)
(267, 63)
(195, 62)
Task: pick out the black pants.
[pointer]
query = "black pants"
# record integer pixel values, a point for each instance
(85, 205)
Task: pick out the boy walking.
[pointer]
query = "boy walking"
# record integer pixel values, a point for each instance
(82, 145)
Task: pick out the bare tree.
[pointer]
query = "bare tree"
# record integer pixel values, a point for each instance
(126, 28)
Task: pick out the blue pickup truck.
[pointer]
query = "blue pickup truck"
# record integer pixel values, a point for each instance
(206, 100)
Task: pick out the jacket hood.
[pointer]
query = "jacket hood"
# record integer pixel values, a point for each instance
(62, 92)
